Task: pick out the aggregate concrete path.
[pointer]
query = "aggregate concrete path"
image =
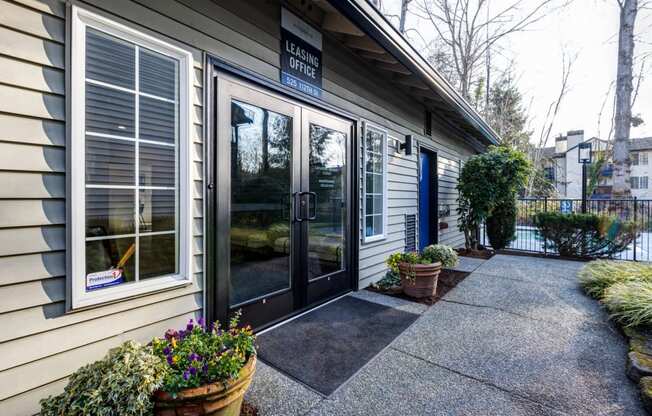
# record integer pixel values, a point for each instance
(516, 337)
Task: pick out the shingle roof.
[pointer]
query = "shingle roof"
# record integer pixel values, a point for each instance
(643, 143)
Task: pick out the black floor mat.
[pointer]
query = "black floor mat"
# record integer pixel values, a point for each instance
(325, 347)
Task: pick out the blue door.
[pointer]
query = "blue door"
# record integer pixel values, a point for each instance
(426, 187)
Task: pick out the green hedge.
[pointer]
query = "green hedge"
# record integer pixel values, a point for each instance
(585, 235)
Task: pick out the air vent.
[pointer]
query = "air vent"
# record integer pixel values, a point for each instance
(410, 232)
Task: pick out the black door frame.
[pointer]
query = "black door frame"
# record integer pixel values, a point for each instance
(216, 285)
(434, 196)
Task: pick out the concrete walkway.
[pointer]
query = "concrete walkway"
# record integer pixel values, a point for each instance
(516, 337)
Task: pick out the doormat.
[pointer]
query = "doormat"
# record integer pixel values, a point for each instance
(325, 347)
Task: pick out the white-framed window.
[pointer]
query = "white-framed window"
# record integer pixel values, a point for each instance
(375, 183)
(129, 169)
(639, 182)
(639, 158)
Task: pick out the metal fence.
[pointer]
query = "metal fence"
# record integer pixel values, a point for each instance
(637, 210)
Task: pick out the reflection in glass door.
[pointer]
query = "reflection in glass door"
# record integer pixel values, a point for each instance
(327, 171)
(261, 204)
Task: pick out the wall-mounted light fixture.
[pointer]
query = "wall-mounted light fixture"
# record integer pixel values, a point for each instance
(407, 145)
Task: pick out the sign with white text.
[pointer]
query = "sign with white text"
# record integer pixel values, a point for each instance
(301, 46)
(104, 278)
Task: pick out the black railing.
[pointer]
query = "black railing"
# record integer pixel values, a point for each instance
(637, 210)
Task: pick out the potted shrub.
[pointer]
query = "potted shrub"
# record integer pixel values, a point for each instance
(209, 369)
(419, 271)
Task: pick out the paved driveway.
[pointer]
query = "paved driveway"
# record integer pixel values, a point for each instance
(516, 337)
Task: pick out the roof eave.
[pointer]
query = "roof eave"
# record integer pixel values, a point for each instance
(377, 27)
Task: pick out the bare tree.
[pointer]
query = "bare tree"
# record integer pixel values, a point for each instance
(403, 16)
(624, 90)
(568, 60)
(469, 30)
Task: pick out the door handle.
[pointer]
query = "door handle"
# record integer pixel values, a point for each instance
(300, 206)
(297, 207)
(312, 206)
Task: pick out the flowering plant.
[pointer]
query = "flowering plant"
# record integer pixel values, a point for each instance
(201, 354)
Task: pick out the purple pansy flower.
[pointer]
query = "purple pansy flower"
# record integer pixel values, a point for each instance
(190, 325)
(169, 358)
(201, 322)
(166, 350)
(192, 370)
(171, 333)
(186, 375)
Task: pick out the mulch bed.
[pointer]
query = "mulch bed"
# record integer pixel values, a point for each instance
(447, 280)
(478, 254)
(248, 410)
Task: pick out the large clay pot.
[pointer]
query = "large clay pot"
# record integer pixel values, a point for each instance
(419, 280)
(214, 399)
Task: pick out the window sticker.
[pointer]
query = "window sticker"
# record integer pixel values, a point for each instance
(106, 278)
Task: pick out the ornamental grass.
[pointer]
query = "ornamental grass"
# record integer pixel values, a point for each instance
(599, 275)
(630, 302)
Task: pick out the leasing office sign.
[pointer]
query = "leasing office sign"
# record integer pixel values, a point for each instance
(301, 46)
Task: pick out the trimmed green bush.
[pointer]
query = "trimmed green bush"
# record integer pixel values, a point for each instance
(598, 275)
(585, 235)
(501, 224)
(120, 384)
(630, 303)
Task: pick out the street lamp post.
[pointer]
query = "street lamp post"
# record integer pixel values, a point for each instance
(584, 158)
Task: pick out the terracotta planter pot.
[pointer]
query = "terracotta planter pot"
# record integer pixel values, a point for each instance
(419, 280)
(211, 399)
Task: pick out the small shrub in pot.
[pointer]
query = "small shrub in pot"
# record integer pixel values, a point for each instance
(441, 253)
(419, 271)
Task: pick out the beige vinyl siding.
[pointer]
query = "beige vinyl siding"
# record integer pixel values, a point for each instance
(41, 344)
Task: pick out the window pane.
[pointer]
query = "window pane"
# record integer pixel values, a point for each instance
(157, 210)
(109, 212)
(374, 183)
(157, 255)
(157, 167)
(378, 224)
(374, 163)
(110, 161)
(112, 256)
(373, 141)
(369, 226)
(110, 60)
(109, 111)
(157, 120)
(158, 74)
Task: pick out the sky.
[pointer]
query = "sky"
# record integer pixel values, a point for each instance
(585, 28)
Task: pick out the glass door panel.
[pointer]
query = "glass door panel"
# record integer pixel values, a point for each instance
(261, 202)
(327, 172)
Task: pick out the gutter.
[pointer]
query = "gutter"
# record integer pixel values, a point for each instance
(376, 26)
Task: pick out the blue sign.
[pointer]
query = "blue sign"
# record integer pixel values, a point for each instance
(566, 206)
(301, 44)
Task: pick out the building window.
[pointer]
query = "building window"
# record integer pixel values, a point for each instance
(130, 201)
(549, 173)
(639, 158)
(639, 182)
(375, 167)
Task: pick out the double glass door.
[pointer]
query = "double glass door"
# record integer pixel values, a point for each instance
(288, 212)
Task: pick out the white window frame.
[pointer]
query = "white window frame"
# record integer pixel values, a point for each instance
(635, 158)
(643, 182)
(642, 158)
(384, 148)
(80, 298)
(635, 182)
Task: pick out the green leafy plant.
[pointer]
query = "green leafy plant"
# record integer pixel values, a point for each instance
(585, 235)
(390, 280)
(485, 181)
(198, 355)
(501, 224)
(598, 275)
(630, 303)
(120, 384)
(441, 253)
